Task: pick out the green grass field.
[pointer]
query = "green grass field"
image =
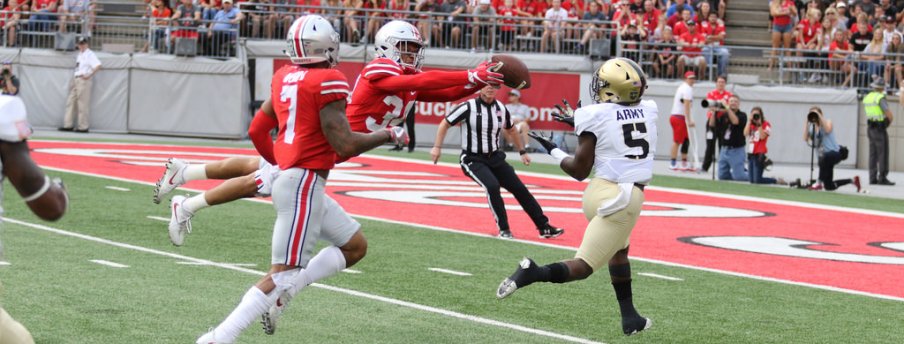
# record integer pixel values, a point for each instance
(62, 297)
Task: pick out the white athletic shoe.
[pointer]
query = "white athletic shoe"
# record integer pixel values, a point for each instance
(673, 167)
(180, 221)
(270, 318)
(210, 338)
(171, 179)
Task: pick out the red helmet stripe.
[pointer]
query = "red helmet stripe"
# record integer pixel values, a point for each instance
(299, 50)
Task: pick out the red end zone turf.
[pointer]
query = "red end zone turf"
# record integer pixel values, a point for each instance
(842, 249)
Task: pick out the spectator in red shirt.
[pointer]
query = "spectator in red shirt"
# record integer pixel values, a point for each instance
(9, 20)
(508, 17)
(691, 44)
(162, 14)
(840, 54)
(809, 31)
(782, 26)
(623, 15)
(680, 27)
(720, 94)
(377, 16)
(714, 30)
(650, 18)
(703, 11)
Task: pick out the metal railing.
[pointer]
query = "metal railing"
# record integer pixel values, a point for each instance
(812, 68)
(160, 35)
(464, 32)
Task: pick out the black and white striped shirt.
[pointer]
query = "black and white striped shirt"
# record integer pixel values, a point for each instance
(482, 124)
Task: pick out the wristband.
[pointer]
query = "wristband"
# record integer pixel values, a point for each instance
(522, 152)
(558, 154)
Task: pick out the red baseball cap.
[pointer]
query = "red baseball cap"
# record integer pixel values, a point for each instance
(690, 74)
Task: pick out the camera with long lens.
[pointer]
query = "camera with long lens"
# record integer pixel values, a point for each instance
(705, 103)
(756, 116)
(813, 117)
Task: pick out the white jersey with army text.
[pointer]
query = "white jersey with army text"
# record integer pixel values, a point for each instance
(625, 139)
(14, 127)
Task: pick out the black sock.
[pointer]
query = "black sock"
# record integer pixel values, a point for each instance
(554, 273)
(621, 276)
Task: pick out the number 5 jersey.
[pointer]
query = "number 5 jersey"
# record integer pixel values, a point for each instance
(625, 139)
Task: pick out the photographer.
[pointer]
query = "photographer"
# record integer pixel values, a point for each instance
(732, 141)
(9, 83)
(818, 134)
(757, 134)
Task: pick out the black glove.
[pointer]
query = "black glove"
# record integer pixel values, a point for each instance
(566, 114)
(545, 142)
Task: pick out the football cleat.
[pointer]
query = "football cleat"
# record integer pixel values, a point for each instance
(171, 179)
(505, 234)
(634, 325)
(549, 232)
(210, 338)
(516, 280)
(180, 221)
(269, 318)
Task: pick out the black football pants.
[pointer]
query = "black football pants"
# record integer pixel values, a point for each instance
(492, 172)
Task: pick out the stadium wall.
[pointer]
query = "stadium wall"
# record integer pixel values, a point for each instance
(139, 93)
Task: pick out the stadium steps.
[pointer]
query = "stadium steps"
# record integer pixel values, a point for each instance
(747, 22)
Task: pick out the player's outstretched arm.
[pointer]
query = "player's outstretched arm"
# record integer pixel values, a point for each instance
(46, 198)
(578, 166)
(447, 94)
(344, 141)
(435, 80)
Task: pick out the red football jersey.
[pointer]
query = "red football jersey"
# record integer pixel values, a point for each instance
(298, 94)
(371, 109)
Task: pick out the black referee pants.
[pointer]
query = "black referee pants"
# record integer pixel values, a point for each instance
(492, 172)
(878, 151)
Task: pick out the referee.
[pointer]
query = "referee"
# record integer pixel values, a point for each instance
(483, 160)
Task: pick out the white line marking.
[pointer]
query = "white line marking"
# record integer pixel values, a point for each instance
(116, 188)
(649, 274)
(5, 264)
(451, 272)
(108, 263)
(351, 271)
(675, 190)
(397, 302)
(648, 260)
(158, 218)
(247, 265)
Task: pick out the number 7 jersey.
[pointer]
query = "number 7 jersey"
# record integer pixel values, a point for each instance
(625, 139)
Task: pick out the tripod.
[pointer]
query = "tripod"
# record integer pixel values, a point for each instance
(812, 151)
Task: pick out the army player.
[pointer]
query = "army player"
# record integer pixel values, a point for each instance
(44, 197)
(617, 137)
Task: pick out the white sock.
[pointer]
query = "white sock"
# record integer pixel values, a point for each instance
(195, 203)
(253, 304)
(194, 172)
(328, 262)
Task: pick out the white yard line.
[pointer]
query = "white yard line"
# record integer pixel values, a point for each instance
(5, 264)
(247, 265)
(351, 271)
(116, 188)
(158, 218)
(451, 272)
(108, 263)
(397, 302)
(669, 278)
(648, 260)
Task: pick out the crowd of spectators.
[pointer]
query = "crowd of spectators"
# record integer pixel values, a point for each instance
(854, 39)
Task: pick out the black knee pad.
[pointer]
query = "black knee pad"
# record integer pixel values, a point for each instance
(685, 145)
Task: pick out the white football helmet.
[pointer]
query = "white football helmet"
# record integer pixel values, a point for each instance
(392, 42)
(312, 39)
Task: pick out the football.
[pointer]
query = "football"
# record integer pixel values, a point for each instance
(514, 72)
